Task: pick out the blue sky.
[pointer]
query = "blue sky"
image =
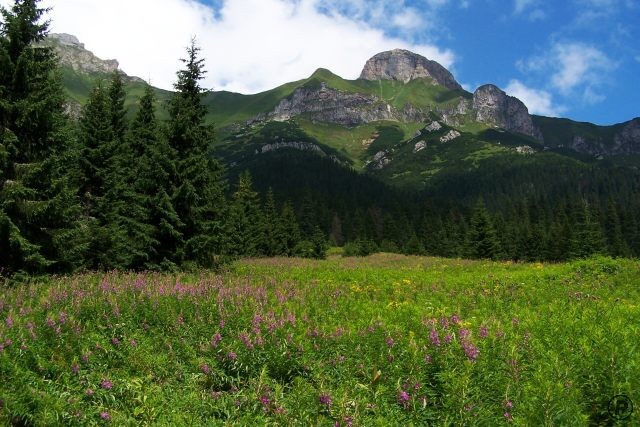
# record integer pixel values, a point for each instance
(570, 58)
(574, 58)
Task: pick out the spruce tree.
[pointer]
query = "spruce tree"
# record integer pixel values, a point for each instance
(290, 229)
(587, 238)
(154, 176)
(40, 227)
(482, 241)
(199, 189)
(246, 233)
(123, 204)
(274, 242)
(94, 162)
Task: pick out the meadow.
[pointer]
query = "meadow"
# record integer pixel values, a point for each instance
(382, 340)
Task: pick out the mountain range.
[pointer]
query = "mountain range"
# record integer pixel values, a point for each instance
(406, 120)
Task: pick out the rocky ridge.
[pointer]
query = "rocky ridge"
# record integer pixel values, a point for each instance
(404, 66)
(73, 54)
(494, 106)
(326, 104)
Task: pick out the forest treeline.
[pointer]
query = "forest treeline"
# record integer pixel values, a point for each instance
(110, 191)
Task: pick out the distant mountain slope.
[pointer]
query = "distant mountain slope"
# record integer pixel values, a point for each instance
(406, 120)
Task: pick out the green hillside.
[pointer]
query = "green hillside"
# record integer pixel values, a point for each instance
(241, 132)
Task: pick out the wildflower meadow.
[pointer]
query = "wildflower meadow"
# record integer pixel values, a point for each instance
(382, 340)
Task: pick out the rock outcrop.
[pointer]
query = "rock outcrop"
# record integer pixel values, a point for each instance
(494, 106)
(450, 136)
(329, 105)
(404, 66)
(419, 146)
(73, 54)
(627, 141)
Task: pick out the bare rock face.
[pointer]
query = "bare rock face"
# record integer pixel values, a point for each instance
(404, 66)
(67, 40)
(627, 141)
(450, 136)
(329, 105)
(492, 105)
(73, 54)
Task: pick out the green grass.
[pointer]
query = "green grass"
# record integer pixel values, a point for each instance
(383, 340)
(363, 141)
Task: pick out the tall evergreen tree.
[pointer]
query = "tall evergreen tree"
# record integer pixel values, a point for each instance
(123, 204)
(154, 176)
(40, 227)
(290, 229)
(482, 241)
(199, 189)
(246, 232)
(274, 242)
(587, 238)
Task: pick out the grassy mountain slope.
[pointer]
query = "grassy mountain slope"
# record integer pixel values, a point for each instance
(387, 150)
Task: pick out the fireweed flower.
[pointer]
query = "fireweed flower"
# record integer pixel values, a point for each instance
(434, 337)
(325, 399)
(9, 322)
(205, 369)
(484, 331)
(115, 341)
(75, 368)
(107, 385)
(447, 338)
(232, 356)
(403, 399)
(216, 340)
(444, 322)
(390, 342)
(470, 350)
(105, 416)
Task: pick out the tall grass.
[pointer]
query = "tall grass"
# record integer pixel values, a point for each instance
(383, 340)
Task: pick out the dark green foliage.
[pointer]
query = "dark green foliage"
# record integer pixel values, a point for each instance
(290, 229)
(198, 198)
(482, 241)
(40, 229)
(363, 248)
(274, 241)
(314, 247)
(587, 238)
(246, 231)
(152, 164)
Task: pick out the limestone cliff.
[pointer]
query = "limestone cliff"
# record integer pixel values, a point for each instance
(402, 65)
(494, 106)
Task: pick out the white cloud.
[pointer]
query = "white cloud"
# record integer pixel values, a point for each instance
(573, 69)
(249, 45)
(537, 101)
(408, 19)
(521, 5)
(579, 64)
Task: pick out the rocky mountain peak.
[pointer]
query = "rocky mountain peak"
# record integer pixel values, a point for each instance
(73, 54)
(492, 105)
(67, 40)
(403, 65)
